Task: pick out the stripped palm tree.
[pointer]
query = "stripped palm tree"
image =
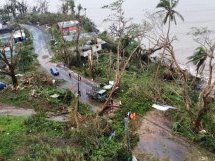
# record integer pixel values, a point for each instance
(168, 9)
(79, 7)
(71, 5)
(198, 59)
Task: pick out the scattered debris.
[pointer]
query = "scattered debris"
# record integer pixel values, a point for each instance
(54, 96)
(107, 87)
(134, 158)
(19, 75)
(111, 83)
(112, 135)
(162, 107)
(33, 93)
(202, 131)
(53, 81)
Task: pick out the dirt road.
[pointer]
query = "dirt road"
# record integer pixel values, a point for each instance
(13, 111)
(23, 112)
(156, 138)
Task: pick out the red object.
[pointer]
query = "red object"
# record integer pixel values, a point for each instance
(69, 29)
(132, 116)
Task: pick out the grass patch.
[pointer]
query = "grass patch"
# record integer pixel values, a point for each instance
(12, 133)
(23, 138)
(41, 101)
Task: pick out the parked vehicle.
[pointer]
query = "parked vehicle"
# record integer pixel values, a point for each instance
(2, 85)
(98, 95)
(54, 71)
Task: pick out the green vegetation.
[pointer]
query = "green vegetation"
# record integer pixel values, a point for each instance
(40, 101)
(27, 58)
(35, 86)
(11, 130)
(86, 136)
(183, 126)
(21, 137)
(139, 90)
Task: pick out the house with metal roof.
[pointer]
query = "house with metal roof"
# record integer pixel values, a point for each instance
(93, 46)
(68, 27)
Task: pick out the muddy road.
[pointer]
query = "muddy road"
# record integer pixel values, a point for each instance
(158, 141)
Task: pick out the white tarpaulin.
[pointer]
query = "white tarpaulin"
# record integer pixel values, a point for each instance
(162, 107)
(107, 87)
(134, 158)
(54, 96)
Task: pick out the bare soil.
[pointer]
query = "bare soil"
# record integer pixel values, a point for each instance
(14, 111)
(158, 141)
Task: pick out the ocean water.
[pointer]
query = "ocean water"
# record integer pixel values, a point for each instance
(197, 13)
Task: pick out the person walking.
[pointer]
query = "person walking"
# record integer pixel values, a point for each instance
(70, 75)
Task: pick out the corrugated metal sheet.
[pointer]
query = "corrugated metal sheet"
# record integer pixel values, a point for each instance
(67, 24)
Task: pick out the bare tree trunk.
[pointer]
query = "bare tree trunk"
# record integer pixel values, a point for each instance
(168, 31)
(74, 113)
(159, 64)
(78, 56)
(204, 102)
(185, 86)
(14, 79)
(118, 60)
(11, 64)
(164, 49)
(77, 45)
(210, 71)
(204, 105)
(201, 114)
(117, 83)
(109, 66)
(90, 64)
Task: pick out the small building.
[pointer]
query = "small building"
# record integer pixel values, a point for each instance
(82, 36)
(92, 47)
(68, 27)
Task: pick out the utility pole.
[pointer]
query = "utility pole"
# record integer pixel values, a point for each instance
(79, 92)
